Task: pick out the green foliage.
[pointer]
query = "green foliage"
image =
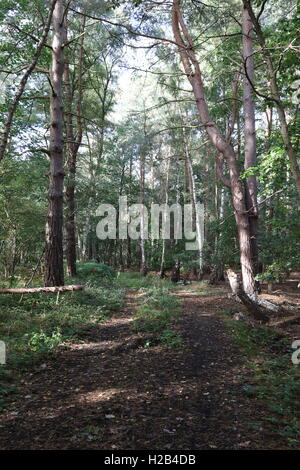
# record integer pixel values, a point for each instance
(35, 325)
(275, 380)
(43, 342)
(267, 276)
(278, 270)
(132, 279)
(220, 249)
(156, 315)
(95, 270)
(171, 339)
(272, 170)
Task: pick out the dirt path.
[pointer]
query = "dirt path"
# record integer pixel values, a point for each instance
(111, 393)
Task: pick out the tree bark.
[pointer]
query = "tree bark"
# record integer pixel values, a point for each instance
(35, 290)
(223, 146)
(54, 269)
(163, 253)
(275, 95)
(143, 266)
(175, 276)
(72, 147)
(250, 135)
(195, 206)
(251, 306)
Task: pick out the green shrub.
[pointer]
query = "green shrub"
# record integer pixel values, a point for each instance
(41, 341)
(157, 313)
(93, 269)
(275, 380)
(171, 339)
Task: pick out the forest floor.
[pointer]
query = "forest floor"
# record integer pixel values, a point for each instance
(115, 390)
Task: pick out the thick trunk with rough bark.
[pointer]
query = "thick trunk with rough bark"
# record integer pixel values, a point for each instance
(54, 270)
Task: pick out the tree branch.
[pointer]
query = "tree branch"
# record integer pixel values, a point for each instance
(19, 93)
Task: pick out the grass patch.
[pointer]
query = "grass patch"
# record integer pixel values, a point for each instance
(158, 314)
(136, 280)
(37, 325)
(275, 380)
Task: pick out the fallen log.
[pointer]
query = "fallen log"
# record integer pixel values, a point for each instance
(36, 290)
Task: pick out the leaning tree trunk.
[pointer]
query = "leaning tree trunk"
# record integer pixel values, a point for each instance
(54, 269)
(260, 309)
(250, 135)
(193, 72)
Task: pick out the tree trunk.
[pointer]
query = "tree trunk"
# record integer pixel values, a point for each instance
(21, 88)
(250, 135)
(175, 276)
(275, 95)
(143, 266)
(192, 69)
(129, 254)
(163, 253)
(199, 231)
(54, 269)
(251, 306)
(72, 147)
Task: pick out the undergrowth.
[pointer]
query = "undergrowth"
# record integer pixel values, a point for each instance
(136, 280)
(34, 326)
(275, 379)
(157, 315)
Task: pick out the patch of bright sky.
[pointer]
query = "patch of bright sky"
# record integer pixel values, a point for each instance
(138, 89)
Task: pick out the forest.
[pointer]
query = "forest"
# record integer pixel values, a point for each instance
(149, 225)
